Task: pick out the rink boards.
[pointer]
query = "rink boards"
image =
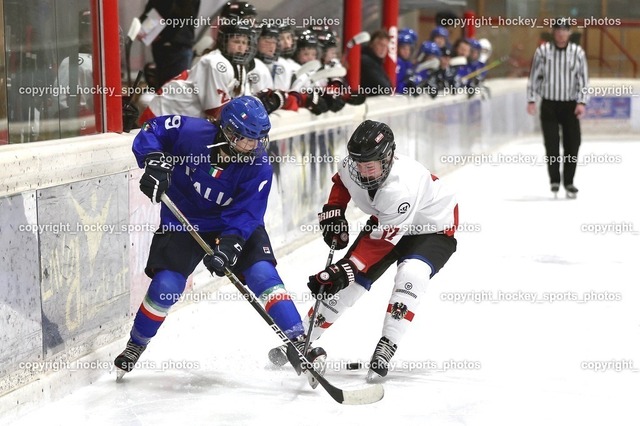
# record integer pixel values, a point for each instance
(76, 229)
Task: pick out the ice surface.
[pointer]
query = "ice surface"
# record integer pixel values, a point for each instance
(517, 362)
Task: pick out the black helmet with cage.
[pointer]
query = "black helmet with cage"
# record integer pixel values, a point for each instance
(266, 53)
(305, 39)
(239, 33)
(327, 40)
(287, 41)
(371, 141)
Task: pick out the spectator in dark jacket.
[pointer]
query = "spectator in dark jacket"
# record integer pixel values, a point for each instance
(373, 78)
(172, 49)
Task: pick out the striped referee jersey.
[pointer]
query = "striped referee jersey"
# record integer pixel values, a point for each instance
(558, 74)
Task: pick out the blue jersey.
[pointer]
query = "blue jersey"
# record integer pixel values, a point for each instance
(403, 72)
(230, 199)
(476, 65)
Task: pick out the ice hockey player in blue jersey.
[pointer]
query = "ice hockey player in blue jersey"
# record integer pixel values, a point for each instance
(219, 176)
(407, 39)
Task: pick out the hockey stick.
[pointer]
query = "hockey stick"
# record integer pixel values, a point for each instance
(301, 74)
(307, 68)
(430, 64)
(487, 67)
(458, 61)
(330, 72)
(361, 37)
(312, 320)
(366, 395)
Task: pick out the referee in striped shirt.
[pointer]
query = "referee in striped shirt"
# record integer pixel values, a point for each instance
(559, 76)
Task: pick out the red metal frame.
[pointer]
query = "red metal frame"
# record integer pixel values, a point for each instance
(107, 61)
(469, 30)
(352, 26)
(112, 65)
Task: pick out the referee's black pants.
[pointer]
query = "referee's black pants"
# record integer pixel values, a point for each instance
(554, 114)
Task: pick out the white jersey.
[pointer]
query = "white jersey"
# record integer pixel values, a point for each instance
(259, 77)
(215, 79)
(209, 84)
(282, 71)
(179, 97)
(411, 199)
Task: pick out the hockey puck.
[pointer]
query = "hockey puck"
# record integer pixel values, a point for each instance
(354, 366)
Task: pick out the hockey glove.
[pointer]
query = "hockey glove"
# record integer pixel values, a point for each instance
(334, 102)
(271, 99)
(354, 98)
(225, 254)
(333, 95)
(311, 101)
(334, 226)
(333, 279)
(157, 176)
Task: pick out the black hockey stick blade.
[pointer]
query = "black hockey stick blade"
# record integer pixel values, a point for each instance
(360, 396)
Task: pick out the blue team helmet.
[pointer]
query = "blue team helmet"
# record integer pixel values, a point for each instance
(407, 36)
(439, 32)
(474, 43)
(430, 48)
(245, 118)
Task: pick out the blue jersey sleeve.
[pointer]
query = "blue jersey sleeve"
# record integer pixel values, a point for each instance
(249, 206)
(157, 135)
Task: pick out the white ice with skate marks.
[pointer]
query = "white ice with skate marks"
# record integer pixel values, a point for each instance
(467, 361)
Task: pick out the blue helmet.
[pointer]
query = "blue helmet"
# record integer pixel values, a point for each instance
(245, 118)
(439, 32)
(407, 36)
(475, 44)
(430, 48)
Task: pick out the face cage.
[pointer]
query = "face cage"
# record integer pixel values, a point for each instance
(269, 59)
(288, 53)
(233, 137)
(240, 58)
(367, 183)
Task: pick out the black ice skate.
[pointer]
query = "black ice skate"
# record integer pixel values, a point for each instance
(317, 356)
(127, 359)
(572, 191)
(555, 187)
(380, 359)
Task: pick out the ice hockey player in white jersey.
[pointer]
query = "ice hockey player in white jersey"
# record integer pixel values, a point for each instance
(268, 53)
(218, 77)
(412, 223)
(286, 47)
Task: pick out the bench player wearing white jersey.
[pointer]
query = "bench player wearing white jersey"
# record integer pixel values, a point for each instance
(219, 76)
(413, 219)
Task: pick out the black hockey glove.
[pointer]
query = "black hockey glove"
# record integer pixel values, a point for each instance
(334, 102)
(311, 101)
(157, 176)
(333, 95)
(271, 99)
(225, 254)
(334, 226)
(334, 278)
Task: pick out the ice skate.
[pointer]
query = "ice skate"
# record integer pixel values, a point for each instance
(127, 359)
(572, 191)
(555, 187)
(317, 356)
(380, 360)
